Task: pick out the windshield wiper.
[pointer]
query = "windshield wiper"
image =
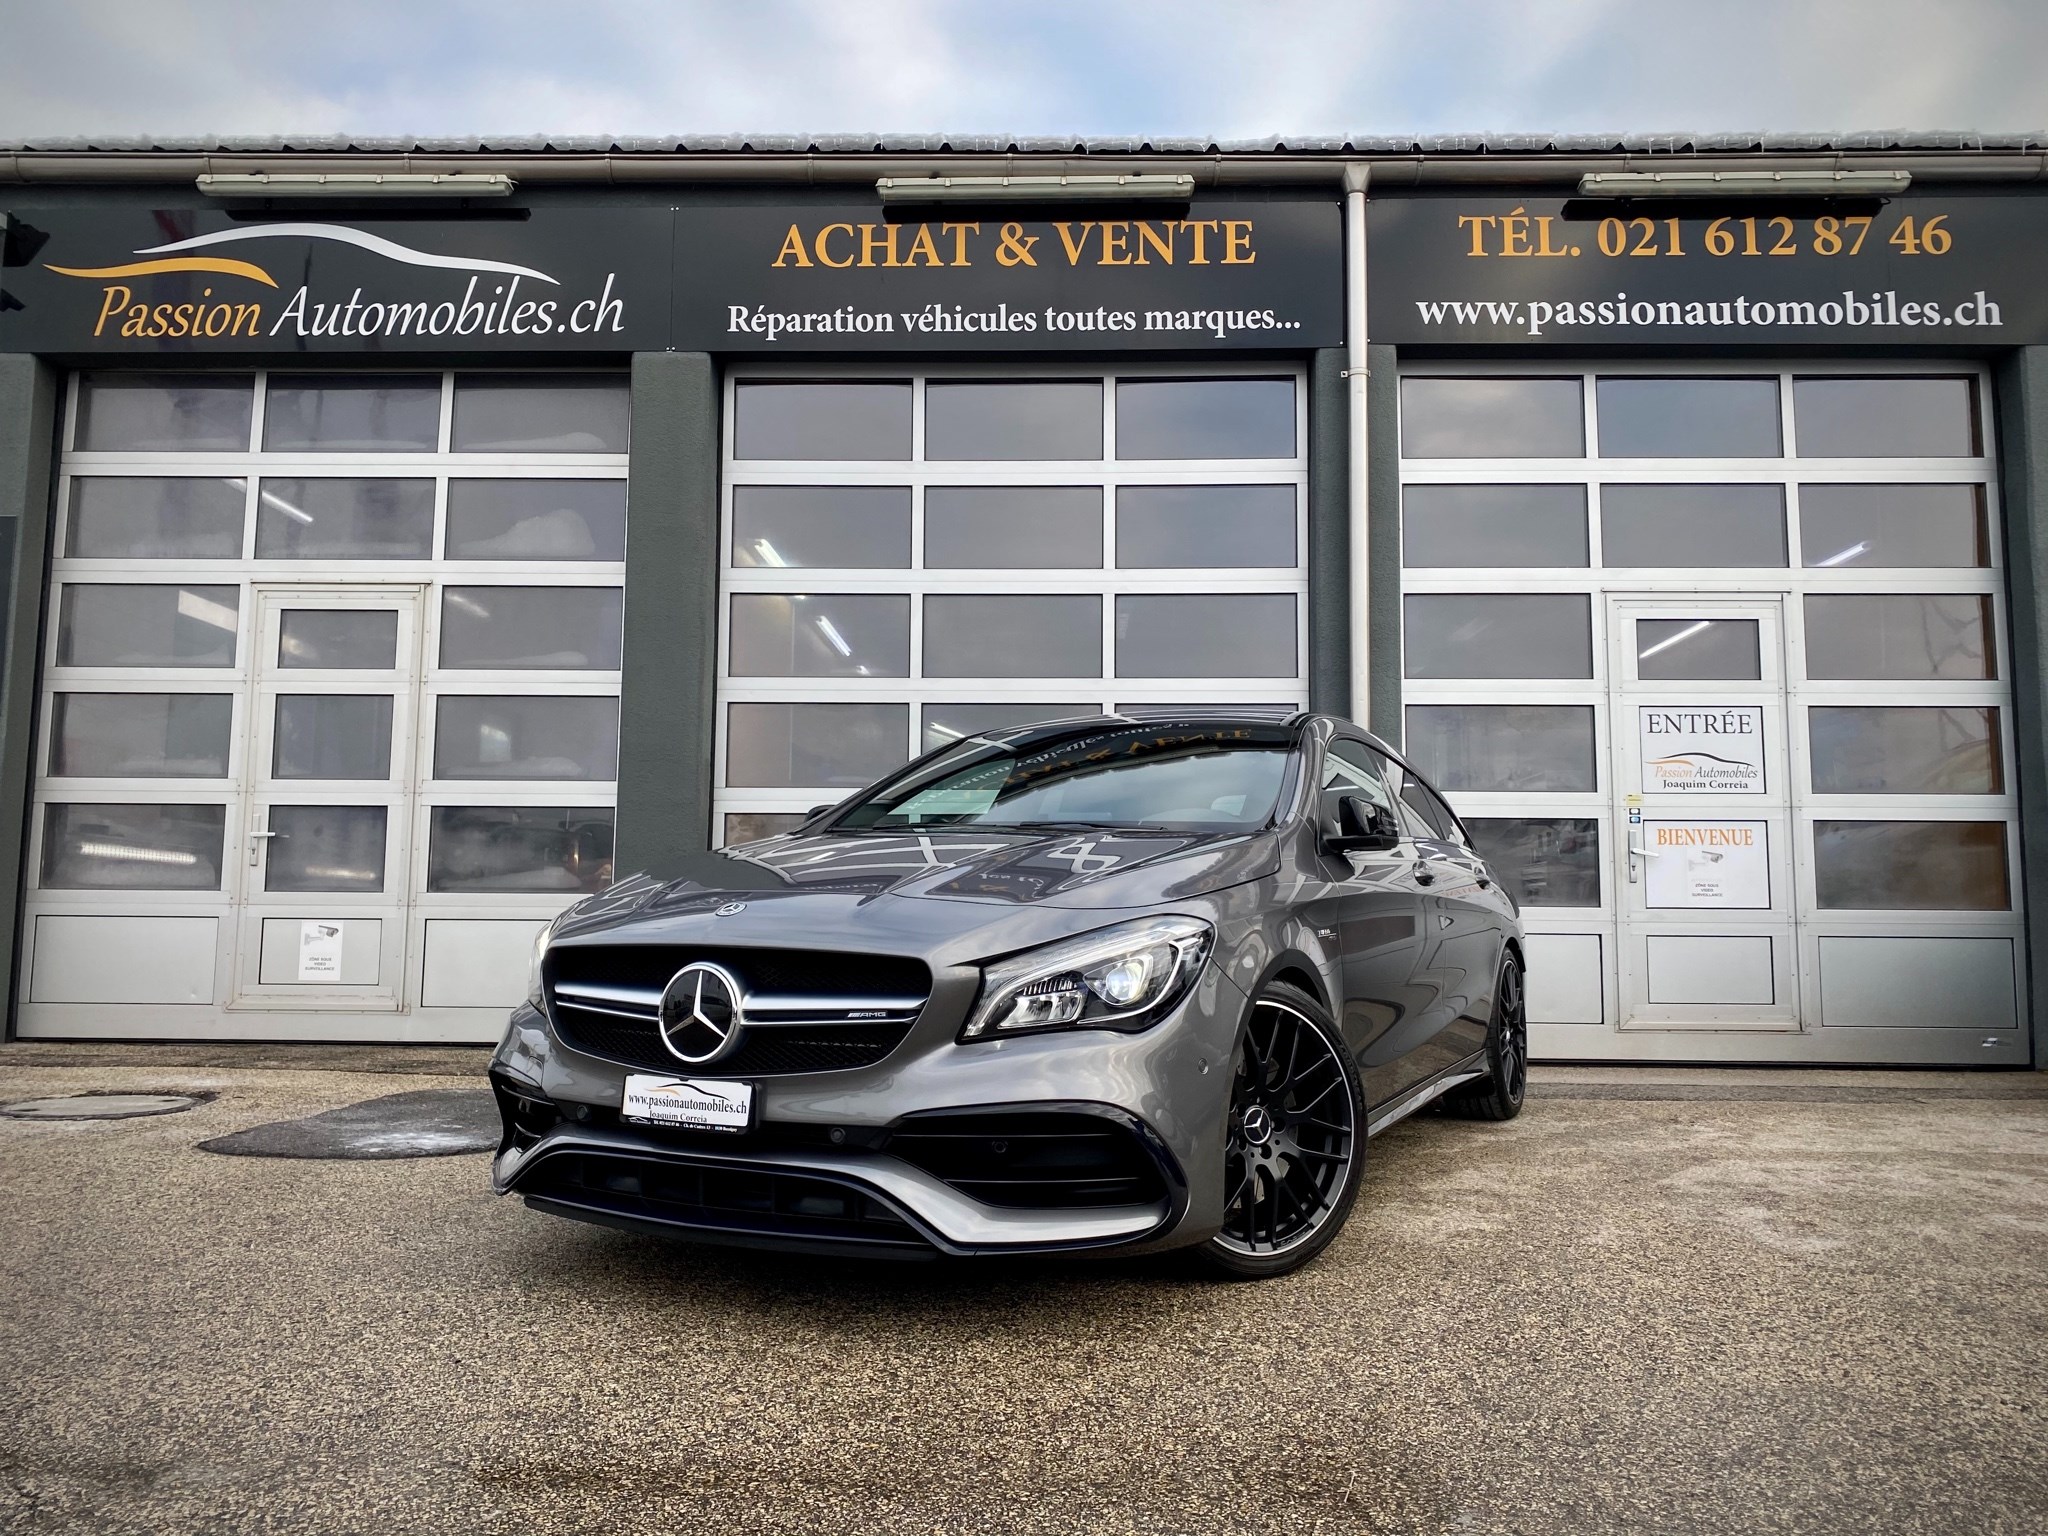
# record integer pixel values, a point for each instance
(1062, 826)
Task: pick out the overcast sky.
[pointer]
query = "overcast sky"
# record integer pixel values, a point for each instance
(1219, 68)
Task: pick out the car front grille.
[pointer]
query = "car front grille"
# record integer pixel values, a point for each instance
(1037, 1159)
(707, 1197)
(806, 1010)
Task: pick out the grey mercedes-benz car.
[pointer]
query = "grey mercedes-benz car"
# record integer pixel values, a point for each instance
(1102, 984)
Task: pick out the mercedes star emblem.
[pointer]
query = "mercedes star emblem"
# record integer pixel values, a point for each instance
(731, 909)
(701, 1018)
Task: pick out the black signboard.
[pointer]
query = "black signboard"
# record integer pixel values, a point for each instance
(202, 282)
(798, 277)
(1214, 276)
(1908, 271)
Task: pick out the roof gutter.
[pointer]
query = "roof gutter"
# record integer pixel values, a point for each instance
(58, 168)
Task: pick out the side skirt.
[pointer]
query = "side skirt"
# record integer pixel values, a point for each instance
(1421, 1098)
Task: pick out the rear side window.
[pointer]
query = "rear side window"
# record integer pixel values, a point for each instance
(1427, 813)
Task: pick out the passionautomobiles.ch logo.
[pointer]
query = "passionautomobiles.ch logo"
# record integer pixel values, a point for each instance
(486, 306)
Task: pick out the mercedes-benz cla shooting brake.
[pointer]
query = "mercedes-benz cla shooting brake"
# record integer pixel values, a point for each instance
(1100, 984)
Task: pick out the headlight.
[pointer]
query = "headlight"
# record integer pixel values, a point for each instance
(1125, 977)
(540, 950)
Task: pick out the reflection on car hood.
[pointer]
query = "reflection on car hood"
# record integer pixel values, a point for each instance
(1067, 869)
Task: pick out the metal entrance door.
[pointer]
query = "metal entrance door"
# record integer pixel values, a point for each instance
(1705, 794)
(327, 798)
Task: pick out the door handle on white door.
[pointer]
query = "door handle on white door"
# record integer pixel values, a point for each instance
(256, 845)
(1638, 851)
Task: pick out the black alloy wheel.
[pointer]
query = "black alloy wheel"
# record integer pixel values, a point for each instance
(1295, 1143)
(1498, 1096)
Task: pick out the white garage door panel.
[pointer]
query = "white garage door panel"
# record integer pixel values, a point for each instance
(1700, 968)
(1564, 978)
(1918, 983)
(286, 959)
(123, 960)
(478, 963)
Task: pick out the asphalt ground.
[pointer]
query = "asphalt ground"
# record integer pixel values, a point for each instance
(1660, 1301)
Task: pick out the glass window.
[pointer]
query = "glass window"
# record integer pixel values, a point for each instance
(1505, 748)
(854, 421)
(1190, 709)
(1681, 650)
(804, 746)
(1898, 635)
(536, 520)
(480, 848)
(132, 625)
(1422, 813)
(1013, 527)
(1701, 417)
(820, 634)
(338, 639)
(1352, 768)
(352, 413)
(1892, 526)
(544, 628)
(540, 413)
(1550, 861)
(1896, 750)
(1902, 418)
(1492, 418)
(1110, 775)
(133, 847)
(526, 737)
(332, 736)
(345, 520)
(945, 724)
(148, 517)
(1692, 525)
(1504, 635)
(851, 527)
(1493, 525)
(1205, 418)
(1038, 420)
(1207, 634)
(1013, 635)
(140, 735)
(1230, 527)
(325, 848)
(159, 412)
(753, 826)
(1923, 866)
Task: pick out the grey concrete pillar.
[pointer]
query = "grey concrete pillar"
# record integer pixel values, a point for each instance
(28, 442)
(1329, 537)
(667, 714)
(2022, 384)
(1382, 524)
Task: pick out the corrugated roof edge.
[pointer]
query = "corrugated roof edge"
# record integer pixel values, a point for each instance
(1957, 141)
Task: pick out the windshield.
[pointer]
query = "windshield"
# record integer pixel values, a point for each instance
(1175, 778)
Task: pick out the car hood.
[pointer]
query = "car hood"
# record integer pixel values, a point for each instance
(939, 881)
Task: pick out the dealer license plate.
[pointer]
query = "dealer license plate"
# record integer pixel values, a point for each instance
(693, 1104)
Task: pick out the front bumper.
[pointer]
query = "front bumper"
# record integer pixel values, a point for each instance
(826, 1168)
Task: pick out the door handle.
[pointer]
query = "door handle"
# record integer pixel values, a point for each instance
(1424, 875)
(256, 845)
(1638, 851)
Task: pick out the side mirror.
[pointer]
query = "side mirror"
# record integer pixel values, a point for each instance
(1362, 827)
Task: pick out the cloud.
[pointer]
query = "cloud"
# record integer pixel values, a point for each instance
(1179, 67)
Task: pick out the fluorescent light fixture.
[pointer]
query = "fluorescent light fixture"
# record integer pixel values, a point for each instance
(124, 852)
(832, 633)
(769, 554)
(1842, 556)
(1743, 183)
(1035, 189)
(357, 184)
(1684, 634)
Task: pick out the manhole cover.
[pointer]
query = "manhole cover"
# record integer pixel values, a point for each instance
(103, 1106)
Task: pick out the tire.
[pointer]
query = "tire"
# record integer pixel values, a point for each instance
(1499, 1095)
(1294, 1139)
